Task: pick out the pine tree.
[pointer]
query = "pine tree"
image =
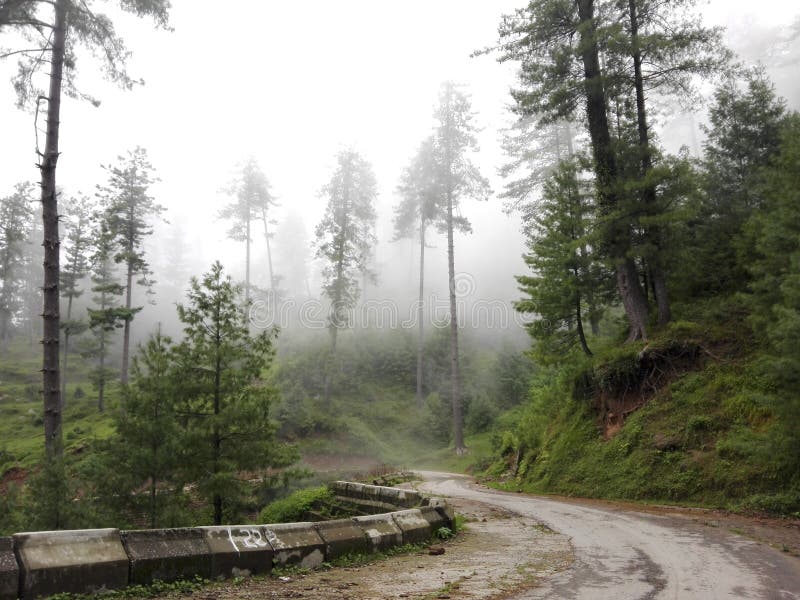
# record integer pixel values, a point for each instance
(454, 138)
(743, 137)
(344, 239)
(129, 209)
(78, 240)
(254, 200)
(141, 466)
(420, 207)
(16, 218)
(223, 399)
(566, 278)
(107, 316)
(58, 36)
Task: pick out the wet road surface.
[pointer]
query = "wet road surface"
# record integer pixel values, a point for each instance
(623, 554)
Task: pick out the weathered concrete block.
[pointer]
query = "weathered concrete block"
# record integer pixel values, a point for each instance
(296, 544)
(381, 530)
(167, 554)
(238, 548)
(81, 562)
(441, 505)
(399, 497)
(414, 526)
(342, 536)
(9, 570)
(434, 517)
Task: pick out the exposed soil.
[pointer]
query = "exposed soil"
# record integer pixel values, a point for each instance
(497, 553)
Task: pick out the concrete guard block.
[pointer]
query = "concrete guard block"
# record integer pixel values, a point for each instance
(381, 530)
(81, 561)
(414, 526)
(9, 570)
(444, 509)
(434, 518)
(167, 554)
(238, 548)
(342, 536)
(296, 544)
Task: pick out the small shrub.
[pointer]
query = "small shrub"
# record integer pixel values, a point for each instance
(295, 506)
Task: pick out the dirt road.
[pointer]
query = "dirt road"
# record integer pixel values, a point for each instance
(638, 556)
(523, 548)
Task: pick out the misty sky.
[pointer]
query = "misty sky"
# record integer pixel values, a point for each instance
(290, 84)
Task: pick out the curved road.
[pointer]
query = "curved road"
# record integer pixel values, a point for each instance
(625, 555)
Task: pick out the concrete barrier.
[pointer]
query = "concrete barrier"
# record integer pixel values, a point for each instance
(9, 570)
(414, 526)
(375, 498)
(167, 554)
(444, 509)
(88, 560)
(341, 537)
(296, 544)
(381, 530)
(238, 549)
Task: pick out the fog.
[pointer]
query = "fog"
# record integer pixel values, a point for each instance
(290, 84)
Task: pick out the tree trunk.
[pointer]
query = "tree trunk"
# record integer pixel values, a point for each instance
(66, 353)
(126, 332)
(101, 382)
(269, 254)
(217, 440)
(617, 235)
(455, 400)
(247, 260)
(51, 318)
(326, 389)
(421, 311)
(653, 232)
(579, 322)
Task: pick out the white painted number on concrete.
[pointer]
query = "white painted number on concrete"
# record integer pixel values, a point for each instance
(250, 538)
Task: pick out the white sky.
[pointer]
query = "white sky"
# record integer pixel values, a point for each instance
(290, 83)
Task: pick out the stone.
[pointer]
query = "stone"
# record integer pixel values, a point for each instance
(341, 537)
(238, 548)
(81, 562)
(665, 442)
(167, 554)
(296, 544)
(9, 570)
(381, 530)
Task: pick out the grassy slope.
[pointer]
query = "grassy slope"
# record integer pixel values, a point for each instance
(710, 436)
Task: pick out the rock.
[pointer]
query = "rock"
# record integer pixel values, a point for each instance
(436, 550)
(665, 442)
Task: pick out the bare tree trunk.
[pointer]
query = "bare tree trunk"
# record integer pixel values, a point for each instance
(247, 262)
(51, 317)
(421, 311)
(579, 322)
(455, 374)
(326, 389)
(649, 194)
(217, 439)
(66, 354)
(269, 253)
(618, 233)
(126, 332)
(101, 384)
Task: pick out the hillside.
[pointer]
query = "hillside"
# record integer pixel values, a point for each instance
(693, 416)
